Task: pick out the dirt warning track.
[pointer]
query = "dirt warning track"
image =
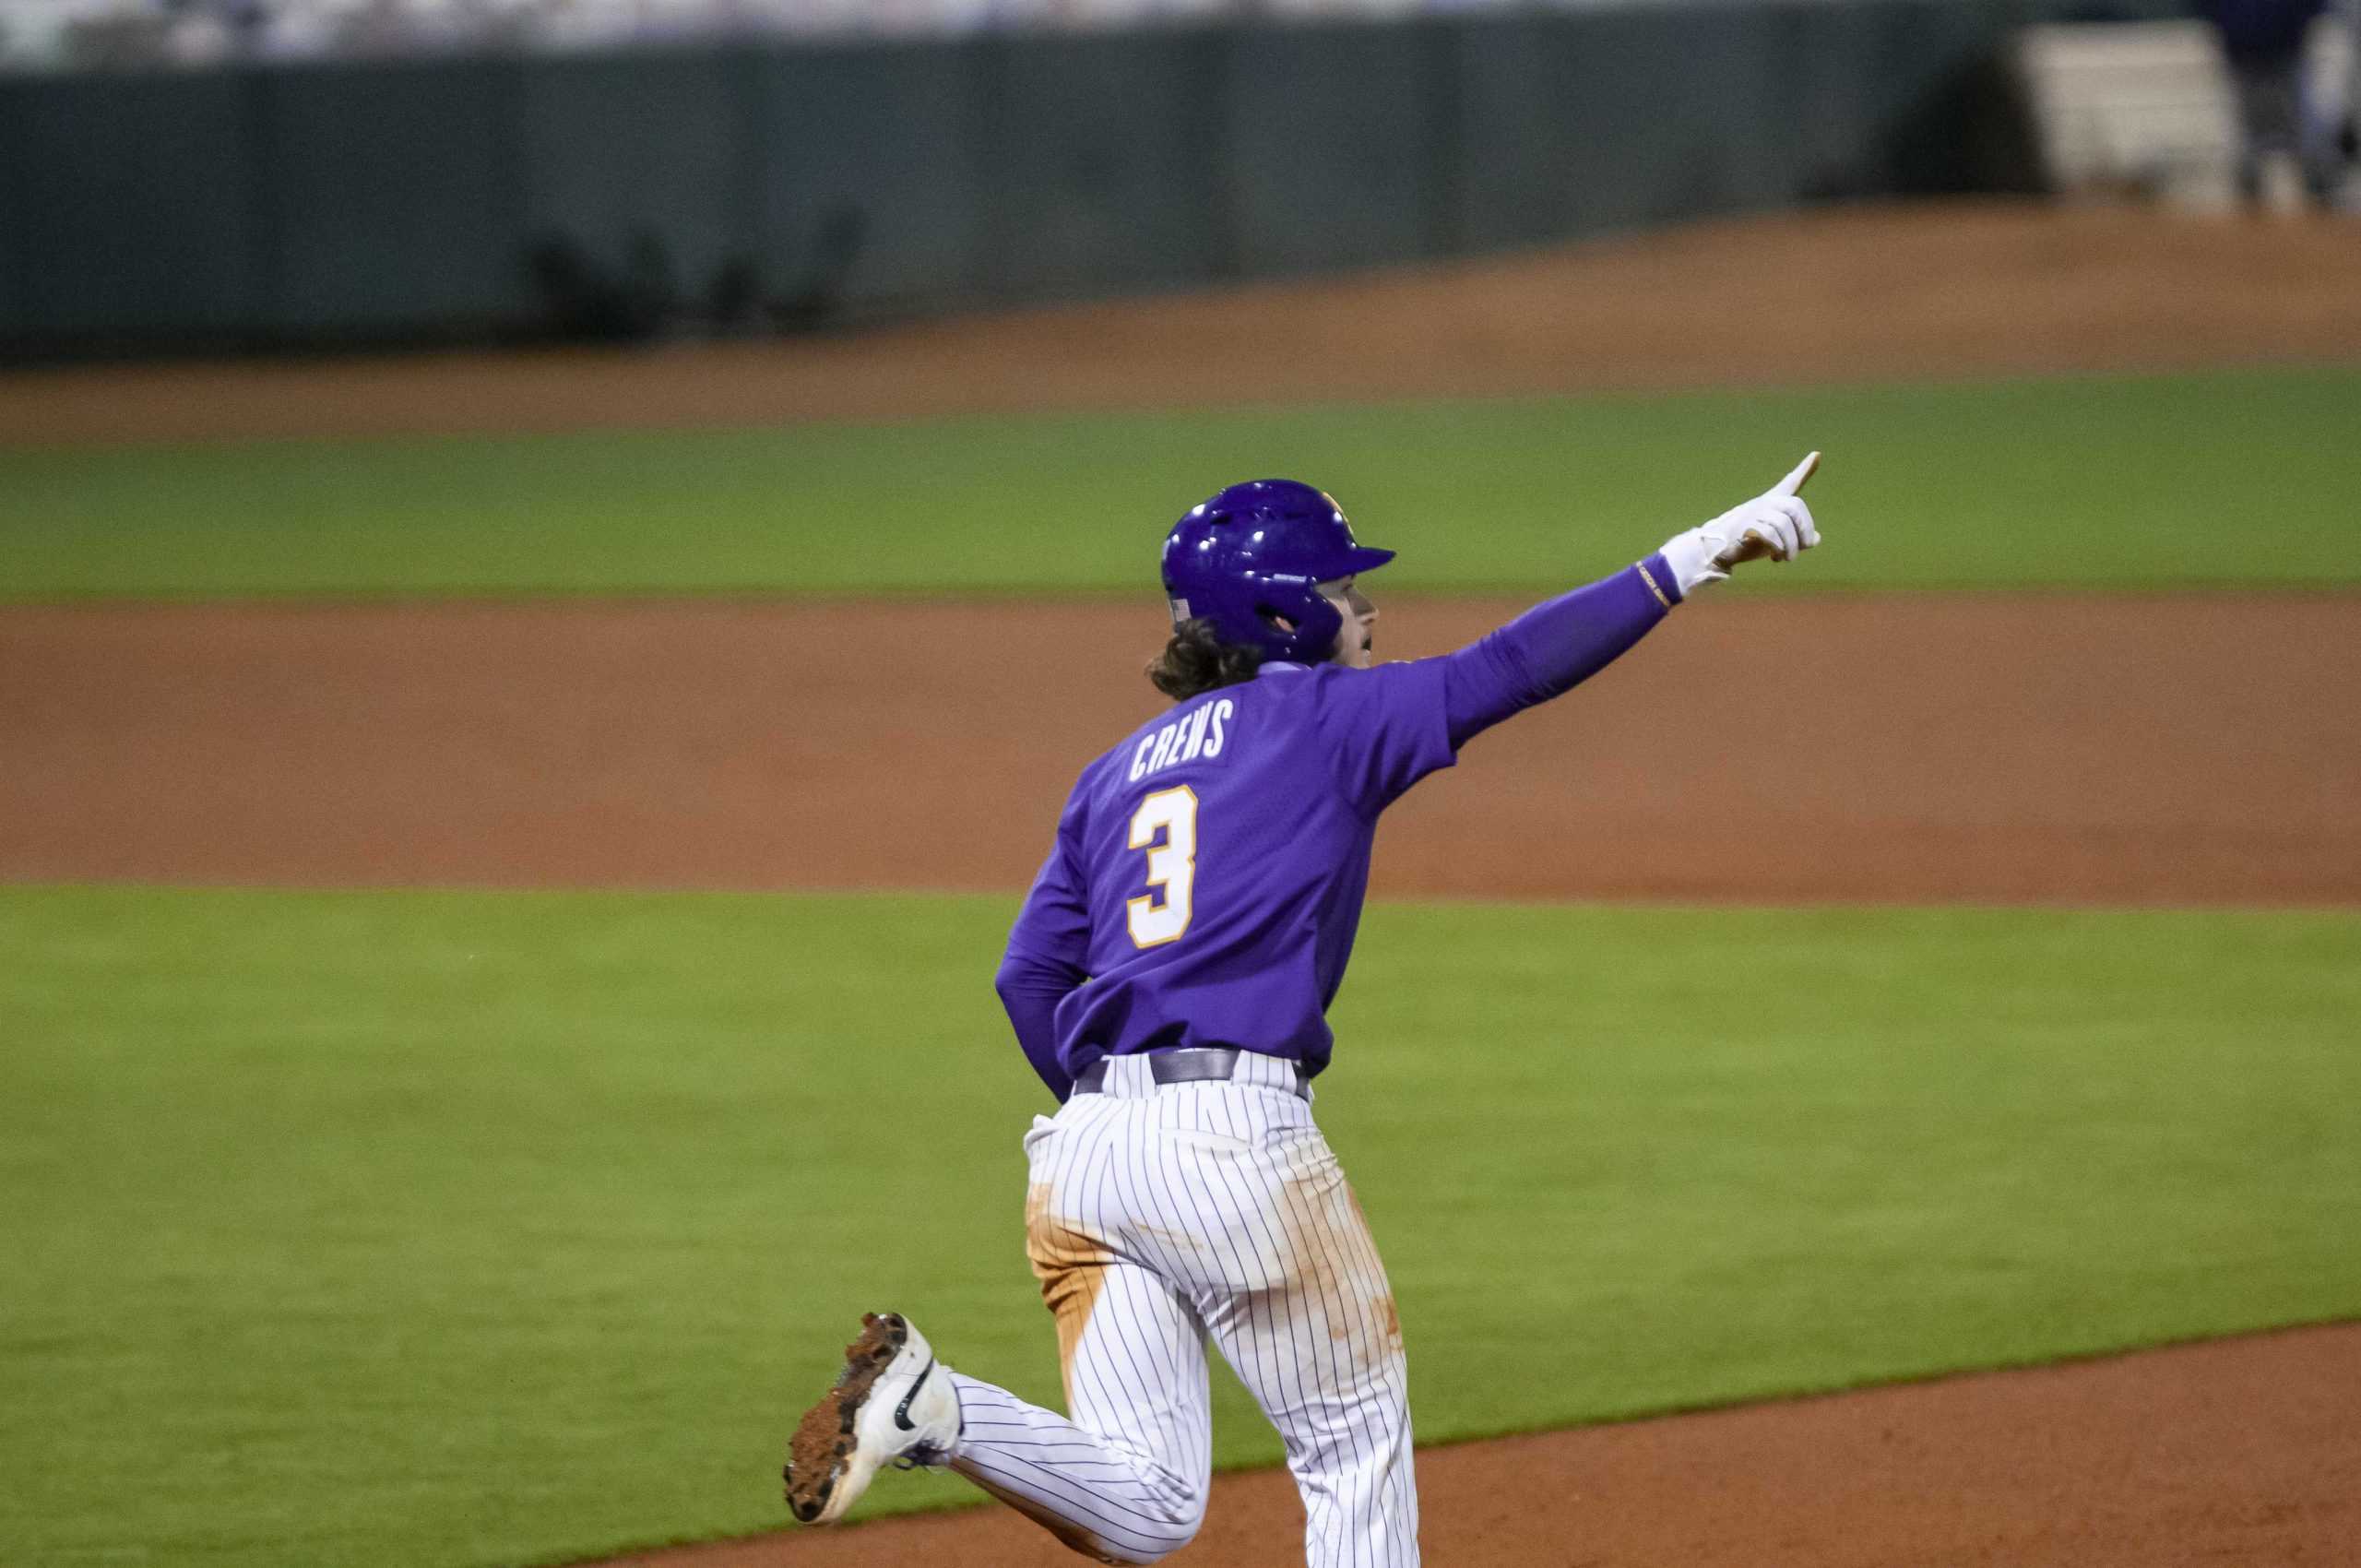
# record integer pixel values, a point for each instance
(1835, 294)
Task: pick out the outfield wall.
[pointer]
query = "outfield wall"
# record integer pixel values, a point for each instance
(401, 199)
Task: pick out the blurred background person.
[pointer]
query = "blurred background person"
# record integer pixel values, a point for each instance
(2285, 147)
(2348, 130)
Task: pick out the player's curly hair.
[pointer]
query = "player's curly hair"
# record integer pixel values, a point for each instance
(1197, 661)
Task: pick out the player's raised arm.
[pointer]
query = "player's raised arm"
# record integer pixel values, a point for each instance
(1555, 646)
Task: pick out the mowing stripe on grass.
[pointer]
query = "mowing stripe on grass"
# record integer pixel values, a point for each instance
(2237, 478)
(456, 1229)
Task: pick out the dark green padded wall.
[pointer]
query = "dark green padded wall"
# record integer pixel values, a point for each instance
(132, 205)
(402, 199)
(665, 145)
(396, 196)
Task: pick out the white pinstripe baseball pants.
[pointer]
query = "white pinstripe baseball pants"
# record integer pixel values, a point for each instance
(1161, 1216)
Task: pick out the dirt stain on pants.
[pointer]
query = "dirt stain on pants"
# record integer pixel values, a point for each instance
(1072, 1268)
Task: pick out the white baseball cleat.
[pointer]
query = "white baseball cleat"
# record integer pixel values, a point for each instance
(890, 1403)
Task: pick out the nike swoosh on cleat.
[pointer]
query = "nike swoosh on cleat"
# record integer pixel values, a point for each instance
(902, 1411)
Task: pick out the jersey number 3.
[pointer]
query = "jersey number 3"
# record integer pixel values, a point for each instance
(1171, 866)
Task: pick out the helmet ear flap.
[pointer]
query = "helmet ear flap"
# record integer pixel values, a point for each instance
(1303, 625)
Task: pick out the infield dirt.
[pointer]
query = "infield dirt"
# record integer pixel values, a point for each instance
(2122, 749)
(2130, 749)
(2240, 1452)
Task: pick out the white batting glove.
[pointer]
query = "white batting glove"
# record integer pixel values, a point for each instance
(1775, 524)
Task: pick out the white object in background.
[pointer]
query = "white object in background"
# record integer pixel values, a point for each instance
(2148, 107)
(2140, 107)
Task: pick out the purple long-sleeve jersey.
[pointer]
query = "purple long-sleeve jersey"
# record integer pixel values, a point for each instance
(1208, 873)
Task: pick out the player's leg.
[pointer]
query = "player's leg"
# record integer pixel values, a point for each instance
(1123, 1473)
(1123, 1483)
(1123, 1478)
(1317, 1342)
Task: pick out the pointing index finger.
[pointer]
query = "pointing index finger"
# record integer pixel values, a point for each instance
(1794, 483)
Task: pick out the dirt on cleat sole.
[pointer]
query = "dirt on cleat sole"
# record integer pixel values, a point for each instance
(823, 1438)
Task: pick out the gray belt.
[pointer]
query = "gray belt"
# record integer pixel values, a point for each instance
(1193, 1065)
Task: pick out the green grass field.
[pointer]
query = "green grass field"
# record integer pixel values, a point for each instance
(453, 1229)
(450, 1229)
(2243, 478)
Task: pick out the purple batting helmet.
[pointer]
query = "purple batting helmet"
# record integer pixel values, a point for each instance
(1250, 560)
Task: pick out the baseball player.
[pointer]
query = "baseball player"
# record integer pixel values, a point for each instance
(1168, 978)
